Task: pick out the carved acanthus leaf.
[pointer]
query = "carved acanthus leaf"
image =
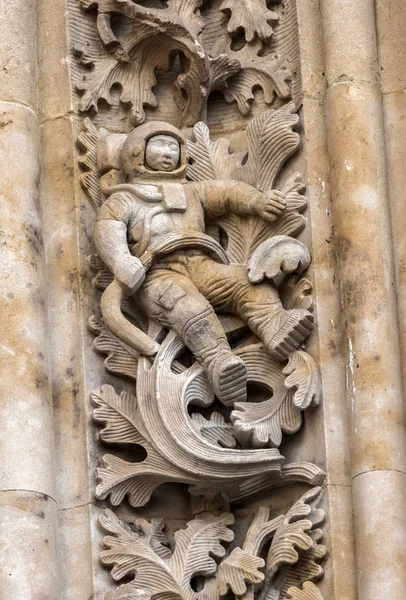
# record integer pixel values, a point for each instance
(103, 276)
(157, 36)
(303, 376)
(188, 11)
(277, 256)
(210, 160)
(246, 234)
(161, 37)
(118, 414)
(216, 430)
(139, 551)
(295, 552)
(257, 72)
(259, 424)
(271, 141)
(121, 360)
(196, 546)
(222, 67)
(238, 570)
(251, 15)
(309, 592)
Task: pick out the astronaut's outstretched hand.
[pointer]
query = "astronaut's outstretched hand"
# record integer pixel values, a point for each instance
(270, 205)
(130, 273)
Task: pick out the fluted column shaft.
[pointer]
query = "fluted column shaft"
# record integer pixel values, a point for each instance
(28, 521)
(363, 242)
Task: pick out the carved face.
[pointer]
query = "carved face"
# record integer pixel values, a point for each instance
(162, 153)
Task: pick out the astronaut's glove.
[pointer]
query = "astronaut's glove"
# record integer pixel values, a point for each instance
(269, 205)
(130, 273)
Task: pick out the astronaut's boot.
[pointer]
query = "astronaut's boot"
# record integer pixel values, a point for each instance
(293, 328)
(228, 375)
(226, 372)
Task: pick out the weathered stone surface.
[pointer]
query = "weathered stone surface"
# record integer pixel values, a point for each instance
(357, 160)
(160, 438)
(53, 70)
(28, 546)
(391, 28)
(378, 571)
(18, 53)
(395, 120)
(27, 452)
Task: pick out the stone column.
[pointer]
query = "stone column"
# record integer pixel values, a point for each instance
(28, 555)
(339, 582)
(364, 249)
(391, 19)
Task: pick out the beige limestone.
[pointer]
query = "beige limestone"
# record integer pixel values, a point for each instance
(312, 67)
(365, 257)
(79, 540)
(350, 41)
(26, 452)
(54, 91)
(394, 105)
(391, 28)
(370, 315)
(60, 220)
(327, 346)
(356, 343)
(18, 52)
(28, 542)
(373, 369)
(28, 523)
(380, 534)
(340, 580)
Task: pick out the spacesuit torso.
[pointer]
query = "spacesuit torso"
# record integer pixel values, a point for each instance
(152, 212)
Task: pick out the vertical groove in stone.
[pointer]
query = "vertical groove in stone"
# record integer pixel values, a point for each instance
(339, 582)
(365, 255)
(65, 316)
(28, 519)
(391, 20)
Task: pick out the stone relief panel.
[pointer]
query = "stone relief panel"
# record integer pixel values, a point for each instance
(204, 304)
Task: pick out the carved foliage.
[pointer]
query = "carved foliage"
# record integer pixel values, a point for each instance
(259, 424)
(168, 38)
(251, 15)
(140, 549)
(271, 140)
(234, 454)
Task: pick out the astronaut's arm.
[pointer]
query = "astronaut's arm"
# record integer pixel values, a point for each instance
(222, 197)
(110, 238)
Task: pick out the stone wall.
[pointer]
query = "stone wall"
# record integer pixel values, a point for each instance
(258, 93)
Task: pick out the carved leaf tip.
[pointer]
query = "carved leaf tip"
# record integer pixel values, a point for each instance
(303, 375)
(251, 15)
(237, 570)
(308, 592)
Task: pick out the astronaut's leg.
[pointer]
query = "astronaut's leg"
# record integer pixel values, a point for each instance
(228, 289)
(174, 301)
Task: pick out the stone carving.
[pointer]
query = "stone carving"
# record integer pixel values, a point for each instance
(155, 219)
(203, 301)
(151, 233)
(170, 35)
(140, 548)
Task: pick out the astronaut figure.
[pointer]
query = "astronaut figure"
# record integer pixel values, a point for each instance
(183, 290)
